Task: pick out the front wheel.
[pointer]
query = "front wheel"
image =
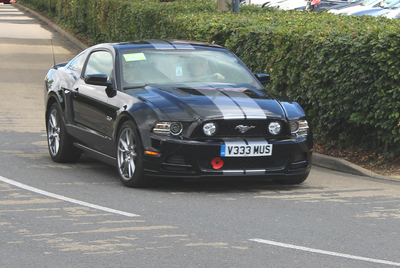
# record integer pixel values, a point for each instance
(130, 157)
(297, 179)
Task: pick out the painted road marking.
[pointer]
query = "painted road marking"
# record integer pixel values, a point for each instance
(331, 253)
(67, 199)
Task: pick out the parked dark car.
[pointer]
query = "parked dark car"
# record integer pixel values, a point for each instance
(5, 1)
(173, 109)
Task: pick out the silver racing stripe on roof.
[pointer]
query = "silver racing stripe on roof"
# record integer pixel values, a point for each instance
(160, 44)
(228, 108)
(182, 45)
(249, 106)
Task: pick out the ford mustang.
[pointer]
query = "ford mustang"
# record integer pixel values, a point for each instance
(174, 110)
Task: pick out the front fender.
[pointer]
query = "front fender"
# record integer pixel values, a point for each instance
(56, 82)
(293, 110)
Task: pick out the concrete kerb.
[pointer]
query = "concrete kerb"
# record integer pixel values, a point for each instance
(319, 160)
(345, 166)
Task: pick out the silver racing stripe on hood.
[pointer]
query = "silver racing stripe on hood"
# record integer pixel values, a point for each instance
(228, 108)
(250, 108)
(234, 104)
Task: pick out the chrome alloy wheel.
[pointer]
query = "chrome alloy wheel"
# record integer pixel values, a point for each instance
(53, 133)
(127, 154)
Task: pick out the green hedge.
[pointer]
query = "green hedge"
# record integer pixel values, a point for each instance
(343, 70)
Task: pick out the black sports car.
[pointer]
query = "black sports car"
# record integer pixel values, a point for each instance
(173, 109)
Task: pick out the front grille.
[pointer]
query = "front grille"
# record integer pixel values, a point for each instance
(246, 163)
(227, 128)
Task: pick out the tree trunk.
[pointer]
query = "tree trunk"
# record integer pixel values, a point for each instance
(222, 5)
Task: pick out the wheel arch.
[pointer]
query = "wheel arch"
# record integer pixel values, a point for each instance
(125, 117)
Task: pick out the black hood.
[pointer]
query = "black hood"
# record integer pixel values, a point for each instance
(212, 102)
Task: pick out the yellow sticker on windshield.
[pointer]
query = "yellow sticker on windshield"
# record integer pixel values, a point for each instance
(134, 57)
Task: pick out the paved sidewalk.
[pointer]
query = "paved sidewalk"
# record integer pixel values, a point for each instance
(319, 160)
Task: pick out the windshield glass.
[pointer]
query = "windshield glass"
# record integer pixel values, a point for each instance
(370, 2)
(391, 3)
(178, 66)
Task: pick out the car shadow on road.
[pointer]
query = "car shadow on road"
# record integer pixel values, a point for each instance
(231, 185)
(104, 173)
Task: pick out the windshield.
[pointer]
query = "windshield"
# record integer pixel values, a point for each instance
(183, 66)
(391, 4)
(370, 2)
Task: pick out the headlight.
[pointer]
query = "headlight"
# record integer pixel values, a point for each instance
(274, 128)
(176, 128)
(209, 129)
(294, 126)
(166, 128)
(299, 128)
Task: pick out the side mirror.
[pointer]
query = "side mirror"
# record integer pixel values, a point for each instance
(98, 80)
(263, 78)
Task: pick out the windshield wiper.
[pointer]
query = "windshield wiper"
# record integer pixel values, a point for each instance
(134, 86)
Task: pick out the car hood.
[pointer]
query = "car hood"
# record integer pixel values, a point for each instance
(204, 102)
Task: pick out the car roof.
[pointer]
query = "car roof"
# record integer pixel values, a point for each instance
(162, 45)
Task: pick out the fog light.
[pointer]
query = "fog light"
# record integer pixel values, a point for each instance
(274, 128)
(209, 129)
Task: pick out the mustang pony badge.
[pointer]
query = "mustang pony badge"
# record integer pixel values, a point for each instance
(243, 129)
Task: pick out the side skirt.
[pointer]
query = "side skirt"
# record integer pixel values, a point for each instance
(95, 154)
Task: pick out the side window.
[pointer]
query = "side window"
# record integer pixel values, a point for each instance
(100, 62)
(76, 64)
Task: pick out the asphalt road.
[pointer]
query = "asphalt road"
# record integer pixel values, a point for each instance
(80, 215)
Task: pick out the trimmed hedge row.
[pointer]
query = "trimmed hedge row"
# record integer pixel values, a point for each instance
(343, 70)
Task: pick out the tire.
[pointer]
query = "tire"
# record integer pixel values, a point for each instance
(60, 147)
(297, 179)
(130, 157)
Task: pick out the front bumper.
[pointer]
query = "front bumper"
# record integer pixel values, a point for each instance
(201, 159)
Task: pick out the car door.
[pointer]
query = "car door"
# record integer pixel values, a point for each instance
(92, 115)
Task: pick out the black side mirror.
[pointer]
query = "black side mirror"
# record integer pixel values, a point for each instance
(101, 80)
(98, 80)
(263, 78)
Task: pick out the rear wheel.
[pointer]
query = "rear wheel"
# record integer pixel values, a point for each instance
(129, 157)
(60, 147)
(296, 179)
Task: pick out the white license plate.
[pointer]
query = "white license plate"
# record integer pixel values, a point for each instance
(241, 149)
